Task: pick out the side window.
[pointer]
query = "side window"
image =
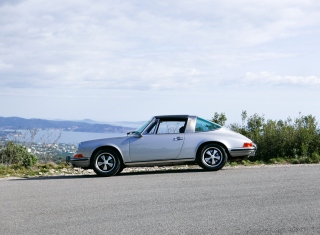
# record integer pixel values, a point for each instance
(204, 125)
(171, 127)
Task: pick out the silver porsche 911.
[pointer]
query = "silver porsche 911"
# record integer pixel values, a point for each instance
(165, 140)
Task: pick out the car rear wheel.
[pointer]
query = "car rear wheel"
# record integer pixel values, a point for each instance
(106, 162)
(212, 157)
(121, 168)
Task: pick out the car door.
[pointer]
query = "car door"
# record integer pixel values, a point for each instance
(162, 141)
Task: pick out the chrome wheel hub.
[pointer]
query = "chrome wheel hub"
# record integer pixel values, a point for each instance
(212, 157)
(105, 162)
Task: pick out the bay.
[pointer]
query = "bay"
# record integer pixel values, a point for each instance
(70, 137)
(66, 137)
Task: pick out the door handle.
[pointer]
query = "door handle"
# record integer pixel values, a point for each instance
(178, 138)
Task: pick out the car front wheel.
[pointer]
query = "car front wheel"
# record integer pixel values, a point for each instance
(106, 162)
(212, 157)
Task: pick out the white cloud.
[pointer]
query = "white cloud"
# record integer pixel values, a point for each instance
(105, 40)
(267, 78)
(128, 46)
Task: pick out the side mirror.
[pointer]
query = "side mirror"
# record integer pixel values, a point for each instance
(137, 135)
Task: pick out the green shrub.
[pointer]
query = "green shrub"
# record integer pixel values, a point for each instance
(233, 164)
(292, 140)
(315, 157)
(277, 161)
(17, 155)
(295, 161)
(246, 162)
(49, 165)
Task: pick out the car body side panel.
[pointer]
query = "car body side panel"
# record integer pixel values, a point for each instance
(189, 148)
(231, 140)
(120, 143)
(156, 147)
(194, 140)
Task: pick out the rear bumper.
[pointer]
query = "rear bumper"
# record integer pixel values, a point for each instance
(255, 150)
(242, 152)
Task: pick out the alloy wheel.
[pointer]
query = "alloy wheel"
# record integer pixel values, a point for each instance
(105, 162)
(212, 157)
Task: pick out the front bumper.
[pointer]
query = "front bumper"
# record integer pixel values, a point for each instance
(78, 162)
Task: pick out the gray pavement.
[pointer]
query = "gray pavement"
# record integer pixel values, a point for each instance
(263, 200)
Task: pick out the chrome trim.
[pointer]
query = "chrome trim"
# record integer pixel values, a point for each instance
(159, 162)
(240, 152)
(241, 149)
(78, 159)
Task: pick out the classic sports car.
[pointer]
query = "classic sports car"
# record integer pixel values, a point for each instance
(165, 140)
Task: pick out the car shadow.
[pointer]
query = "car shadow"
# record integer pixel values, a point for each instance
(158, 172)
(122, 174)
(56, 177)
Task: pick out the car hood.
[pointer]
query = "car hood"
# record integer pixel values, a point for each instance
(103, 141)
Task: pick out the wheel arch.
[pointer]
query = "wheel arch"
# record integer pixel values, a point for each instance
(106, 147)
(213, 142)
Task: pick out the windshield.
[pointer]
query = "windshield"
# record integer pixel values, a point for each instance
(140, 129)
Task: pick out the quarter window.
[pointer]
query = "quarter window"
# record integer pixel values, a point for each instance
(204, 125)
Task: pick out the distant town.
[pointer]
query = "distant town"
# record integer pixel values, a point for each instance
(45, 151)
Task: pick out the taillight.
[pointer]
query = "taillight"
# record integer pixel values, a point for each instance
(248, 145)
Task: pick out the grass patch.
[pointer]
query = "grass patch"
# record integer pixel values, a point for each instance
(39, 169)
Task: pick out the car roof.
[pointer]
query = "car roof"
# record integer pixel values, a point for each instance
(172, 117)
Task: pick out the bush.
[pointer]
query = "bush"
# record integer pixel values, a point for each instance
(315, 157)
(296, 141)
(13, 154)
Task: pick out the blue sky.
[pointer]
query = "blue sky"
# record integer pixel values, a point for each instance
(130, 60)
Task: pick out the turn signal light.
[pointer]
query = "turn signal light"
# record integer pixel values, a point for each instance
(247, 145)
(78, 155)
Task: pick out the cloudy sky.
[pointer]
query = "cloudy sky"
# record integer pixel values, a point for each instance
(132, 59)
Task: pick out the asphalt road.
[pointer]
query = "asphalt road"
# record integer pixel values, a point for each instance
(265, 200)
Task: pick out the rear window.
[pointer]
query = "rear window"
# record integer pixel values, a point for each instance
(204, 125)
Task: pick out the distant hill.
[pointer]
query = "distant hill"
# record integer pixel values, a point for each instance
(130, 124)
(16, 123)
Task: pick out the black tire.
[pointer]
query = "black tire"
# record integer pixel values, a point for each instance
(120, 169)
(212, 157)
(106, 162)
